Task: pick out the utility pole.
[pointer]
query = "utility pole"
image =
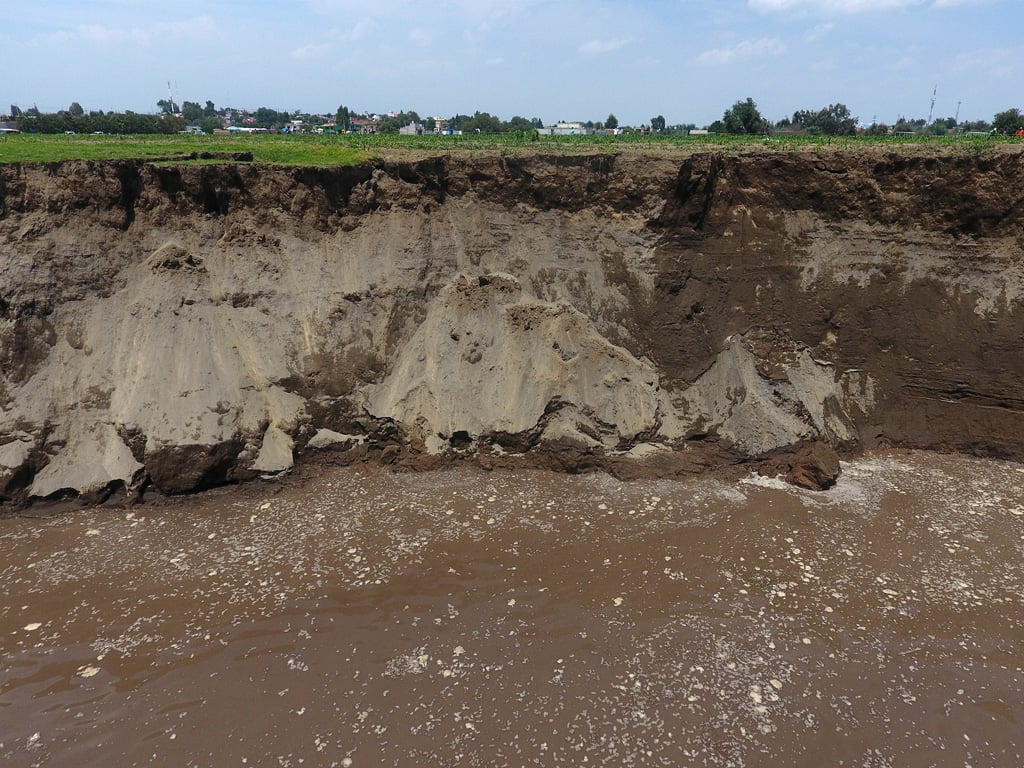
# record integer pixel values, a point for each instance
(170, 98)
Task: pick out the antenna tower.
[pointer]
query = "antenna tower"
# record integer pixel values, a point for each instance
(932, 110)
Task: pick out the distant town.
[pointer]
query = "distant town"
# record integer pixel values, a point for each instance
(743, 117)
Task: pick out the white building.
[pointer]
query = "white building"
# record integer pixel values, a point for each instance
(566, 129)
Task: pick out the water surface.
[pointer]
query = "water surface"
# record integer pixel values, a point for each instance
(526, 619)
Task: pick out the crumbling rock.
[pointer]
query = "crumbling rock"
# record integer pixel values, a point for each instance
(177, 469)
(815, 467)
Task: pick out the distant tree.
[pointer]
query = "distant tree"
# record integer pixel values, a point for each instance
(75, 110)
(536, 122)
(210, 110)
(658, 124)
(343, 118)
(942, 126)
(680, 129)
(209, 124)
(266, 117)
(611, 122)
(518, 123)
(402, 119)
(742, 117)
(906, 125)
(111, 122)
(877, 129)
(1008, 122)
(15, 112)
(977, 125)
(167, 107)
(165, 124)
(833, 120)
(456, 122)
(482, 122)
(191, 111)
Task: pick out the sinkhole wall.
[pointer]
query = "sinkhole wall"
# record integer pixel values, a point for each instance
(177, 327)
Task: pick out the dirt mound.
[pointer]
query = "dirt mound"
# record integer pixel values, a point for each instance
(180, 327)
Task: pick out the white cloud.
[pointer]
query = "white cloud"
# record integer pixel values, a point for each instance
(819, 32)
(310, 51)
(198, 29)
(421, 37)
(349, 8)
(840, 6)
(748, 49)
(1000, 62)
(495, 10)
(594, 47)
(97, 34)
(353, 33)
(852, 6)
(429, 65)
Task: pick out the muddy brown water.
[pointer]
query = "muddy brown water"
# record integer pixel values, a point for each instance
(526, 619)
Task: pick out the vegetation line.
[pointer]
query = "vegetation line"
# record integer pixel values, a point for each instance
(333, 150)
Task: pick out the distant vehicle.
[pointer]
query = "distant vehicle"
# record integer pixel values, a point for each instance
(69, 133)
(98, 133)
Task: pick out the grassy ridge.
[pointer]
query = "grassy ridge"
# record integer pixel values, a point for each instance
(343, 150)
(275, 150)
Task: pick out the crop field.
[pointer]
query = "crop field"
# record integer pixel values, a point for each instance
(343, 150)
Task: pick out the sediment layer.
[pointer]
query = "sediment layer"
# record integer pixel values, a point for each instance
(174, 328)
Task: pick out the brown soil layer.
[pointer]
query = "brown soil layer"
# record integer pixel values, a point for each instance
(174, 328)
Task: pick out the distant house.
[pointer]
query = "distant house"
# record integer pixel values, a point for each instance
(567, 129)
(364, 125)
(412, 129)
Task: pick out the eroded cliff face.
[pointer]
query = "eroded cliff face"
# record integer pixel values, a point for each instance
(180, 327)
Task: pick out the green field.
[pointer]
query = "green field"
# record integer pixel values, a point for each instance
(344, 150)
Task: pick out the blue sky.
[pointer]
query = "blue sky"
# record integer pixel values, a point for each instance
(687, 60)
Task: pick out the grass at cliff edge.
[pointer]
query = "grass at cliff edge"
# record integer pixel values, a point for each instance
(271, 150)
(345, 150)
